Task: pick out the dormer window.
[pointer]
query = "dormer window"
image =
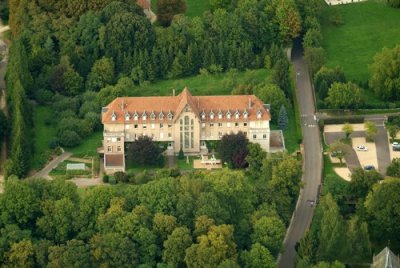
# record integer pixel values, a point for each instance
(203, 115)
(170, 116)
(161, 116)
(245, 114)
(219, 114)
(113, 117)
(144, 116)
(237, 114)
(127, 116)
(136, 116)
(152, 116)
(211, 115)
(259, 114)
(228, 115)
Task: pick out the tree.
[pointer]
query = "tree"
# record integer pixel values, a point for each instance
(335, 264)
(325, 77)
(370, 130)
(101, 74)
(258, 257)
(393, 169)
(289, 19)
(3, 126)
(362, 181)
(383, 214)
(269, 232)
(75, 253)
(274, 96)
(331, 232)
(339, 149)
(212, 249)
(281, 76)
(315, 58)
(175, 246)
(167, 9)
(144, 151)
(393, 130)
(21, 254)
(255, 160)
(233, 150)
(384, 70)
(283, 119)
(344, 96)
(347, 129)
(357, 241)
(163, 225)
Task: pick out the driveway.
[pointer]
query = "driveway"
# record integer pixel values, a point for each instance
(312, 165)
(351, 159)
(382, 143)
(44, 173)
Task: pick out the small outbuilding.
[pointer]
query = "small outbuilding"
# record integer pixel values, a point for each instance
(77, 166)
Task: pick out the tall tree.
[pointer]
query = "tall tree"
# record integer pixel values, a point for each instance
(258, 257)
(370, 130)
(233, 149)
(344, 96)
(176, 245)
(394, 168)
(269, 232)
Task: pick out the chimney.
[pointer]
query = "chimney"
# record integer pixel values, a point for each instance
(249, 103)
(173, 92)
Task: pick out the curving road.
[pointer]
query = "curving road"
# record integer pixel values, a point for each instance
(312, 164)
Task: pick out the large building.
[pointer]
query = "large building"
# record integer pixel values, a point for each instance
(182, 121)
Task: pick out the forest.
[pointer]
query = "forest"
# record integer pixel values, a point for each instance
(207, 219)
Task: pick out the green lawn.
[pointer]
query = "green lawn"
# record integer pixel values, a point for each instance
(43, 133)
(367, 28)
(195, 8)
(219, 84)
(88, 146)
(183, 165)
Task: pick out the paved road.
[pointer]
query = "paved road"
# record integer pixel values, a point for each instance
(303, 214)
(381, 142)
(44, 173)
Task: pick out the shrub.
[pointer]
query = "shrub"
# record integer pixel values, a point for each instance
(69, 138)
(144, 151)
(121, 177)
(106, 178)
(181, 155)
(174, 172)
(112, 180)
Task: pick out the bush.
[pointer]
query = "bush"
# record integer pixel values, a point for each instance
(106, 178)
(142, 178)
(112, 180)
(69, 138)
(54, 143)
(121, 177)
(144, 151)
(174, 172)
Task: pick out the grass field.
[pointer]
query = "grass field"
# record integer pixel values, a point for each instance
(368, 27)
(218, 84)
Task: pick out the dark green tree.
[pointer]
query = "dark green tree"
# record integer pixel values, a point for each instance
(283, 119)
(144, 151)
(176, 245)
(393, 169)
(233, 150)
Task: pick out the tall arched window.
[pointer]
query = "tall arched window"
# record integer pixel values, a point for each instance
(187, 133)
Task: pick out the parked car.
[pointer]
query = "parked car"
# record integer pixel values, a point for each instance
(369, 167)
(396, 146)
(361, 148)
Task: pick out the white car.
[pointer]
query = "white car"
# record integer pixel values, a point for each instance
(361, 148)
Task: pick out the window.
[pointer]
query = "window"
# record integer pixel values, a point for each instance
(161, 125)
(109, 149)
(108, 139)
(254, 136)
(237, 114)
(161, 116)
(170, 116)
(228, 115)
(245, 133)
(161, 136)
(118, 148)
(127, 116)
(220, 124)
(245, 124)
(228, 124)
(153, 126)
(126, 126)
(135, 116)
(144, 117)
(236, 124)
(144, 126)
(211, 124)
(264, 136)
(259, 114)
(152, 116)
(245, 114)
(113, 139)
(220, 134)
(220, 115)
(118, 139)
(203, 115)
(113, 117)
(169, 125)
(169, 135)
(203, 125)
(186, 137)
(136, 126)
(211, 115)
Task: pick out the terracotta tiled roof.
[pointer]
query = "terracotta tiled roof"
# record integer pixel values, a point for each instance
(145, 4)
(121, 107)
(114, 160)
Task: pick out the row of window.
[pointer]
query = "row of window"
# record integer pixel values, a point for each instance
(152, 126)
(136, 116)
(229, 115)
(110, 149)
(220, 124)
